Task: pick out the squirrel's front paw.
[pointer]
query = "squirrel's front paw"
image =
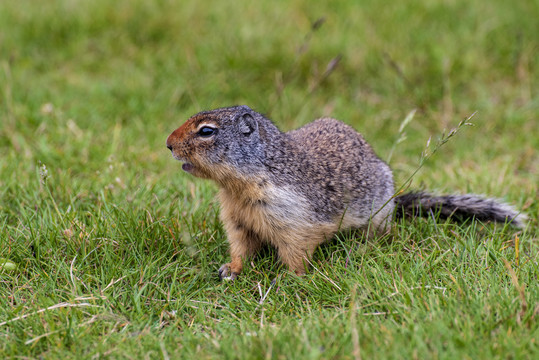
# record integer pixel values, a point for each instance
(226, 274)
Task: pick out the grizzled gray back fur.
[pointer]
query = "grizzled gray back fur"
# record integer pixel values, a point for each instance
(327, 161)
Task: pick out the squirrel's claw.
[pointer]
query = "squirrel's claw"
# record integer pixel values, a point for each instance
(226, 274)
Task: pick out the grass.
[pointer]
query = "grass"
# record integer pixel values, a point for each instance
(116, 250)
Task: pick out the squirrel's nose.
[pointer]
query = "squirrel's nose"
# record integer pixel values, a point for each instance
(169, 147)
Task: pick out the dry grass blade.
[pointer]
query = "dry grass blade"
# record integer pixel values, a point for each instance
(520, 290)
(53, 307)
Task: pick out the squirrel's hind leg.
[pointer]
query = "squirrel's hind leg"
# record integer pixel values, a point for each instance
(296, 250)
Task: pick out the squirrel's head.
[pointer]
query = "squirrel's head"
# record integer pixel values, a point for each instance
(219, 143)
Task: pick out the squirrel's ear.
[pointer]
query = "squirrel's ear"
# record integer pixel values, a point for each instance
(247, 124)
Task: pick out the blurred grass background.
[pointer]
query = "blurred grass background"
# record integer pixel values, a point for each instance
(89, 91)
(119, 77)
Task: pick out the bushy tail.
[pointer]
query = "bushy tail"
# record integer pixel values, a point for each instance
(459, 207)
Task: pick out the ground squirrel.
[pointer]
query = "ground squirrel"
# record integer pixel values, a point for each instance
(295, 190)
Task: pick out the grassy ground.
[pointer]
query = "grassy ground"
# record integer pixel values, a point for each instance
(108, 250)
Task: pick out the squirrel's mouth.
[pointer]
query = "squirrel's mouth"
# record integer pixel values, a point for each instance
(187, 167)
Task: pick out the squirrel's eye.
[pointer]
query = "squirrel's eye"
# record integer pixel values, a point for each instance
(206, 131)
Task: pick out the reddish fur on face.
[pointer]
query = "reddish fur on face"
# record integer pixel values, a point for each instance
(178, 134)
(175, 139)
(187, 148)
